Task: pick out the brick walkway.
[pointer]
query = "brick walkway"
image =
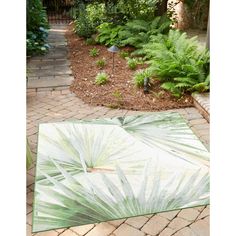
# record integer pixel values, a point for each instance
(62, 105)
(45, 104)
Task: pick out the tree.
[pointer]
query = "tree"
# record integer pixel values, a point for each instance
(161, 7)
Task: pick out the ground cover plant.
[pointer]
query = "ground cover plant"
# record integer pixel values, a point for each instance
(94, 52)
(140, 75)
(101, 63)
(101, 78)
(37, 28)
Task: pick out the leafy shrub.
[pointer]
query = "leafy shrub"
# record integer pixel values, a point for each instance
(87, 18)
(94, 52)
(90, 41)
(101, 63)
(83, 25)
(123, 54)
(134, 33)
(140, 75)
(37, 28)
(108, 34)
(132, 63)
(178, 62)
(138, 32)
(101, 78)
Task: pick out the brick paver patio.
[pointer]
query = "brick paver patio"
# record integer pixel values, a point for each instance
(47, 105)
(62, 105)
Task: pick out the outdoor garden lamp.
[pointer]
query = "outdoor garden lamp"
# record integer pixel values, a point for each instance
(146, 85)
(114, 50)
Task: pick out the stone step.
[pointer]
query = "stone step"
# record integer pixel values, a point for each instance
(50, 83)
(46, 63)
(202, 103)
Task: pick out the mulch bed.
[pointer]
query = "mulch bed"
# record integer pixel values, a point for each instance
(119, 92)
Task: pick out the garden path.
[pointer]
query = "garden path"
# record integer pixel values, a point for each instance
(47, 105)
(51, 71)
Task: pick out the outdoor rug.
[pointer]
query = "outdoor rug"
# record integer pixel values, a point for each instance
(111, 168)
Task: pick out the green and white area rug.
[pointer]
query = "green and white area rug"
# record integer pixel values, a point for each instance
(107, 169)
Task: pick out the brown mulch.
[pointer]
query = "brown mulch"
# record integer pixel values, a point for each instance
(119, 92)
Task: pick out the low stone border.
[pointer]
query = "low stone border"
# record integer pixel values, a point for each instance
(202, 103)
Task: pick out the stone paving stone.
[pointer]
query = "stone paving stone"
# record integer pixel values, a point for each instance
(30, 198)
(102, 229)
(189, 214)
(185, 232)
(44, 83)
(193, 116)
(28, 208)
(83, 229)
(30, 179)
(28, 230)
(155, 225)
(49, 233)
(201, 126)
(200, 208)
(68, 232)
(116, 223)
(60, 230)
(201, 227)
(178, 223)
(167, 232)
(169, 215)
(198, 122)
(137, 222)
(204, 213)
(29, 218)
(126, 230)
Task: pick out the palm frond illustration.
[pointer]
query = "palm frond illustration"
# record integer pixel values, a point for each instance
(84, 148)
(165, 130)
(79, 200)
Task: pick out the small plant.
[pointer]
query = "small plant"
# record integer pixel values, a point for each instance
(118, 95)
(90, 41)
(132, 63)
(101, 78)
(123, 54)
(94, 52)
(119, 98)
(101, 63)
(139, 77)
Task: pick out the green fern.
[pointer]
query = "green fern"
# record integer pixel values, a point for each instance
(179, 61)
(138, 32)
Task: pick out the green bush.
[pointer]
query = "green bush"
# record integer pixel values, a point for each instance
(108, 34)
(138, 32)
(37, 28)
(123, 54)
(87, 18)
(94, 52)
(139, 77)
(101, 78)
(134, 33)
(178, 63)
(83, 25)
(101, 63)
(90, 41)
(132, 63)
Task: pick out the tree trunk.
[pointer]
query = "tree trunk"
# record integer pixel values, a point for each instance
(161, 8)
